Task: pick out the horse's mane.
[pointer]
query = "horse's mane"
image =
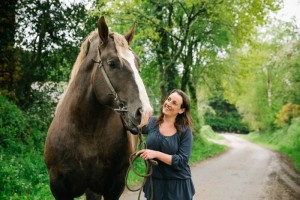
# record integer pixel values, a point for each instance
(120, 42)
(82, 54)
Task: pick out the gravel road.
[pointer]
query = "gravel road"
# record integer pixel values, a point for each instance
(246, 171)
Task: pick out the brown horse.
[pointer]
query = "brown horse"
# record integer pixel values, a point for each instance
(87, 147)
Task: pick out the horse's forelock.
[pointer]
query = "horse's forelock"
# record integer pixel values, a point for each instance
(120, 40)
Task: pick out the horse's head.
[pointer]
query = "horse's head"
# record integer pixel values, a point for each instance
(116, 81)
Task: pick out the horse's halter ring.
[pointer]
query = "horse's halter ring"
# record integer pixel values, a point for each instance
(121, 107)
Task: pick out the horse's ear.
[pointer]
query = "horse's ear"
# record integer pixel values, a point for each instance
(130, 34)
(102, 29)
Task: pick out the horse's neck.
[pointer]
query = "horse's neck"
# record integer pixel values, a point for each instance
(79, 104)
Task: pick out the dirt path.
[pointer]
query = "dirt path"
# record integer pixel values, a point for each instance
(246, 171)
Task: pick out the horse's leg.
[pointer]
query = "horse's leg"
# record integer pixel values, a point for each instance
(89, 195)
(62, 185)
(117, 187)
(58, 187)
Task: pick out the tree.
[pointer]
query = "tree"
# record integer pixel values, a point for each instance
(187, 37)
(263, 82)
(9, 69)
(47, 36)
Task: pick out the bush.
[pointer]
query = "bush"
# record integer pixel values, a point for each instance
(226, 124)
(225, 118)
(22, 169)
(13, 128)
(287, 113)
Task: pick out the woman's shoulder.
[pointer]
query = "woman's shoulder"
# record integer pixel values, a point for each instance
(186, 131)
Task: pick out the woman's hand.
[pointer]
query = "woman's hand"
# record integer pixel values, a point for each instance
(145, 118)
(147, 154)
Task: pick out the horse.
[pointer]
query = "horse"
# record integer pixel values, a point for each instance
(87, 147)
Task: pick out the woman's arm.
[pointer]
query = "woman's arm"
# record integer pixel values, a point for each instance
(181, 158)
(151, 154)
(178, 160)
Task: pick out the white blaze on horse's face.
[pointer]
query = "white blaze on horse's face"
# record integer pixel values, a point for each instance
(127, 54)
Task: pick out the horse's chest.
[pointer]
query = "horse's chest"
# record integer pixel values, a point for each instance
(101, 150)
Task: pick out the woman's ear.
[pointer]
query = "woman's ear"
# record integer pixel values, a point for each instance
(182, 110)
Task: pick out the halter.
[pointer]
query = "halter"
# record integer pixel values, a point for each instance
(121, 107)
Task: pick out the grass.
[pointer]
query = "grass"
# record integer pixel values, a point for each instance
(203, 148)
(285, 140)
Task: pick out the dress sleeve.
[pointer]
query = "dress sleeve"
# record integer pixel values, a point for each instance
(181, 158)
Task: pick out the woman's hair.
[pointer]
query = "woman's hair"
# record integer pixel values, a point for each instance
(184, 119)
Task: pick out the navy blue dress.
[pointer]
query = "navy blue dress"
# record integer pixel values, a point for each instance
(170, 182)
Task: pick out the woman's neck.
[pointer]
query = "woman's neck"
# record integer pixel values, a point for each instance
(169, 120)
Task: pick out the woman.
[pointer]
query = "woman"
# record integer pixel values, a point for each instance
(169, 142)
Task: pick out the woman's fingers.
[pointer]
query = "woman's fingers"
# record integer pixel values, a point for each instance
(145, 119)
(145, 154)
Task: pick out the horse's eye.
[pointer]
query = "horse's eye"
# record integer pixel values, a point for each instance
(111, 63)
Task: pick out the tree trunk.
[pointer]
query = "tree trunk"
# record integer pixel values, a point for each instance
(186, 82)
(8, 58)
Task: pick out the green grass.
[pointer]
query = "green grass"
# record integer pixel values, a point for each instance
(285, 140)
(23, 176)
(203, 148)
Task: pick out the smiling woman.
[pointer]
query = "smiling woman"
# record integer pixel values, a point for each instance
(169, 142)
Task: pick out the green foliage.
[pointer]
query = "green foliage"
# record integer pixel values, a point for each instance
(203, 148)
(287, 113)
(13, 126)
(9, 63)
(22, 169)
(225, 118)
(23, 176)
(208, 132)
(48, 34)
(184, 40)
(266, 76)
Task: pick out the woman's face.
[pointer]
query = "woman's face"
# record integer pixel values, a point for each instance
(172, 105)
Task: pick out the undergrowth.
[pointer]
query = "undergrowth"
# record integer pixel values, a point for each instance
(285, 140)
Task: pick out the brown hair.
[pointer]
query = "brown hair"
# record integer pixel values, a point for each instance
(184, 119)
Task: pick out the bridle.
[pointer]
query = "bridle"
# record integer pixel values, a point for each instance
(121, 107)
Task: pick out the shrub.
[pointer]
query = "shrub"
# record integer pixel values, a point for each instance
(12, 126)
(225, 118)
(287, 113)
(22, 169)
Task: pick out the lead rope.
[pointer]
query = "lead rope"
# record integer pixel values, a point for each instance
(148, 164)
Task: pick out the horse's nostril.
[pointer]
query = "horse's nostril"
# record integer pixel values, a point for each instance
(140, 110)
(138, 115)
